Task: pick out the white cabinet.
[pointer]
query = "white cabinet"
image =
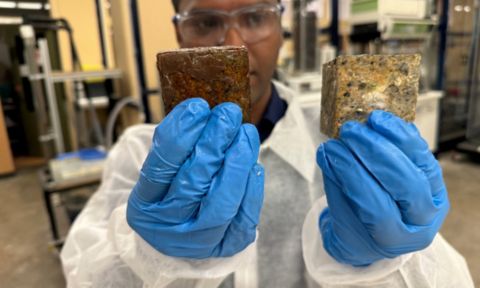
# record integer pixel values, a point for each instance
(427, 119)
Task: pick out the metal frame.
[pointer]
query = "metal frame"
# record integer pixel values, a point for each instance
(50, 77)
(36, 88)
(99, 5)
(51, 187)
(473, 132)
(138, 50)
(443, 29)
(51, 97)
(334, 29)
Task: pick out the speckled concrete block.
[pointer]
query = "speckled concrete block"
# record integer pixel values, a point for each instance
(354, 86)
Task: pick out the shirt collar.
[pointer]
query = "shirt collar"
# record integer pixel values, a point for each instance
(276, 107)
(290, 138)
(274, 111)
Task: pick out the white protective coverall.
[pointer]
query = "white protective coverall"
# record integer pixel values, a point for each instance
(101, 249)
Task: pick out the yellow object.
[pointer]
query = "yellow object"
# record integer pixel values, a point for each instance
(93, 68)
(6, 160)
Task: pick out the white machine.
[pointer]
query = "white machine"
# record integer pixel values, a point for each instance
(410, 20)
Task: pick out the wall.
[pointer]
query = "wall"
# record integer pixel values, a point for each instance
(157, 35)
(83, 19)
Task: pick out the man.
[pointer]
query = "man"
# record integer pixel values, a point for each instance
(194, 207)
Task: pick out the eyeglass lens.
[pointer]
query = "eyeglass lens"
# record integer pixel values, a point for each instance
(209, 28)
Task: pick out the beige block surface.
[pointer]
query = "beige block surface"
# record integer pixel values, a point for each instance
(354, 86)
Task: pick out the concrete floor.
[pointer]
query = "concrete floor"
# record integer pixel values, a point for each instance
(27, 260)
(461, 228)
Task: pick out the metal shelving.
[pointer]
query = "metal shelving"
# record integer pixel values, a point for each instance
(50, 77)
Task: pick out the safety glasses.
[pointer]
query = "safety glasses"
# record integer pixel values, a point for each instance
(206, 27)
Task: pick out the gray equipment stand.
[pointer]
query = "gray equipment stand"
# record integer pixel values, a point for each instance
(472, 144)
(50, 78)
(51, 187)
(32, 68)
(43, 79)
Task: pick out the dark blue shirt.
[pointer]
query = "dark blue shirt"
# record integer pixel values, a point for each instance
(275, 111)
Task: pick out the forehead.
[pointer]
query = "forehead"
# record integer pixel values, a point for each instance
(229, 5)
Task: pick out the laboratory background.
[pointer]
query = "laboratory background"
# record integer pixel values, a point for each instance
(75, 74)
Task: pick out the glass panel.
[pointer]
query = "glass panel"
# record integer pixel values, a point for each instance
(459, 39)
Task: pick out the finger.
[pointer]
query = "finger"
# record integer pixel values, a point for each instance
(242, 230)
(195, 176)
(369, 202)
(171, 239)
(407, 138)
(173, 141)
(236, 193)
(324, 164)
(397, 175)
(222, 202)
(338, 222)
(357, 251)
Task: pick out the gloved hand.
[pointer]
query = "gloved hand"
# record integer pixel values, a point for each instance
(384, 190)
(200, 190)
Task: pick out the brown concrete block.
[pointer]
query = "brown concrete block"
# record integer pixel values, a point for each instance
(216, 74)
(354, 86)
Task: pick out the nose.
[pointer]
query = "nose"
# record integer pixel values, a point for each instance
(233, 38)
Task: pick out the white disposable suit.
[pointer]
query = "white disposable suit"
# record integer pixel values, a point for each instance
(101, 249)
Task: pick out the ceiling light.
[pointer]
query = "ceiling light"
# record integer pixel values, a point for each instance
(8, 4)
(29, 6)
(11, 20)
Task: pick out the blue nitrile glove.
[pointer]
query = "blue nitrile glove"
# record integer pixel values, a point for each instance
(200, 190)
(384, 189)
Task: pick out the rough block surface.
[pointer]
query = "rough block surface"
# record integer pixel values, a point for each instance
(354, 86)
(216, 74)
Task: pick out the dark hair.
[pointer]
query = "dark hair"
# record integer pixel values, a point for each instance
(176, 4)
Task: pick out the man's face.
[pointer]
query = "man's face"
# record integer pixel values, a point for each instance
(262, 55)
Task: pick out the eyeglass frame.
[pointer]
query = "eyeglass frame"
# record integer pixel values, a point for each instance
(279, 9)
